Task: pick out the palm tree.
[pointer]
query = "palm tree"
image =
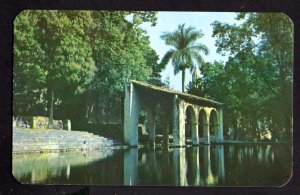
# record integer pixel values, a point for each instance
(185, 52)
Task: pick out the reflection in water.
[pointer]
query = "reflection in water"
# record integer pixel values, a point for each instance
(130, 167)
(180, 166)
(42, 166)
(195, 170)
(215, 165)
(185, 166)
(220, 164)
(209, 178)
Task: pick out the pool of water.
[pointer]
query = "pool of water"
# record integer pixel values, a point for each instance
(214, 165)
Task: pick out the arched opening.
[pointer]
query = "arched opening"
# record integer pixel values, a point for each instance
(202, 121)
(145, 123)
(213, 125)
(190, 120)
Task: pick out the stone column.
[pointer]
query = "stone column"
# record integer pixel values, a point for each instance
(181, 123)
(67, 124)
(131, 167)
(217, 132)
(131, 108)
(166, 134)
(177, 140)
(206, 133)
(220, 127)
(152, 128)
(127, 113)
(195, 136)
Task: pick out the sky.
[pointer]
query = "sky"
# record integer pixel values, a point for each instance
(169, 21)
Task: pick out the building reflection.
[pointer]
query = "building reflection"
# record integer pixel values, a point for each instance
(131, 167)
(261, 153)
(208, 177)
(189, 166)
(198, 163)
(143, 166)
(195, 167)
(185, 167)
(180, 167)
(220, 164)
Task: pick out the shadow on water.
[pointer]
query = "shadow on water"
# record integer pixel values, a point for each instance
(215, 165)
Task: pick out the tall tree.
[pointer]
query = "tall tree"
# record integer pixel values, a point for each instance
(28, 76)
(185, 53)
(61, 54)
(121, 50)
(83, 57)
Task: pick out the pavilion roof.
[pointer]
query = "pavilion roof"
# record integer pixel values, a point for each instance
(185, 95)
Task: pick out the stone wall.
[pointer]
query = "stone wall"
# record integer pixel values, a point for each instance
(40, 122)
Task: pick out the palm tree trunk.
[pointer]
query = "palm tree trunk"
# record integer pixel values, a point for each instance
(183, 80)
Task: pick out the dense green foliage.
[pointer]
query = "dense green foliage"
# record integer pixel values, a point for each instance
(74, 64)
(78, 61)
(185, 53)
(256, 81)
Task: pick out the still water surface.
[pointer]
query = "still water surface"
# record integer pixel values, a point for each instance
(215, 165)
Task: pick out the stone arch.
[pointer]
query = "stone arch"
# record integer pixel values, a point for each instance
(190, 125)
(203, 129)
(213, 124)
(202, 120)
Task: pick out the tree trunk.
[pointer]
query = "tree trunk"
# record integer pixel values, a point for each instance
(50, 106)
(183, 79)
(90, 112)
(108, 111)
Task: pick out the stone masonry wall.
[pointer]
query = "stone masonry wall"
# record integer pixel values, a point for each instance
(40, 122)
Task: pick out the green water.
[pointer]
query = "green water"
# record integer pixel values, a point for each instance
(215, 165)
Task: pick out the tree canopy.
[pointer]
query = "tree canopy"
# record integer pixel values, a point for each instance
(256, 81)
(66, 57)
(74, 64)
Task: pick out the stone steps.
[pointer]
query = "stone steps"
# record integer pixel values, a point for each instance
(25, 140)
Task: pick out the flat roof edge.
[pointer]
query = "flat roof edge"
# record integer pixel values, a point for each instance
(141, 83)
